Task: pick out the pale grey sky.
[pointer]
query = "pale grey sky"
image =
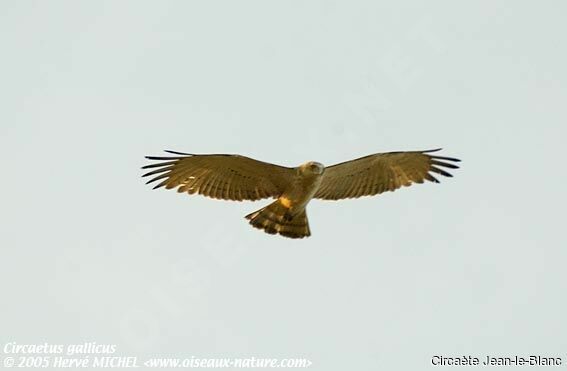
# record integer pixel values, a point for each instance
(472, 266)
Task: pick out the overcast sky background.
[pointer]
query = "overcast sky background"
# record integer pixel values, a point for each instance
(472, 266)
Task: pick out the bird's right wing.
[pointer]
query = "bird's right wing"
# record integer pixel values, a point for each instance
(227, 177)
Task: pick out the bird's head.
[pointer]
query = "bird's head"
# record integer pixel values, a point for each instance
(312, 168)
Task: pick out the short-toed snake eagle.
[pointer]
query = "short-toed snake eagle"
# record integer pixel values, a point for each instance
(236, 177)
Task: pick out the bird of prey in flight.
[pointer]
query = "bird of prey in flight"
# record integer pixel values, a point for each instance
(236, 177)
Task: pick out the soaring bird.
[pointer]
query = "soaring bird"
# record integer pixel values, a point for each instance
(236, 177)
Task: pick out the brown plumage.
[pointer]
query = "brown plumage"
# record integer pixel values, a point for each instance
(235, 177)
(274, 219)
(382, 172)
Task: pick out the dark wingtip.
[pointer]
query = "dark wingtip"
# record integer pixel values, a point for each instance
(446, 158)
(444, 164)
(431, 150)
(162, 158)
(178, 153)
(440, 157)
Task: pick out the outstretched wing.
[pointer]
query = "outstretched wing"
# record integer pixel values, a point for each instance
(227, 177)
(381, 172)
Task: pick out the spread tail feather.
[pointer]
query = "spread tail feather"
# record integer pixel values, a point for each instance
(275, 218)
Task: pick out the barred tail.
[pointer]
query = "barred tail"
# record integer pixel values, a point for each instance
(275, 218)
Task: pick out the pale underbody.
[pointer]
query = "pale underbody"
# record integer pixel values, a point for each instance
(304, 185)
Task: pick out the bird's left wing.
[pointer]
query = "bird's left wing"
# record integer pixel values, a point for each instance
(380, 173)
(227, 177)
